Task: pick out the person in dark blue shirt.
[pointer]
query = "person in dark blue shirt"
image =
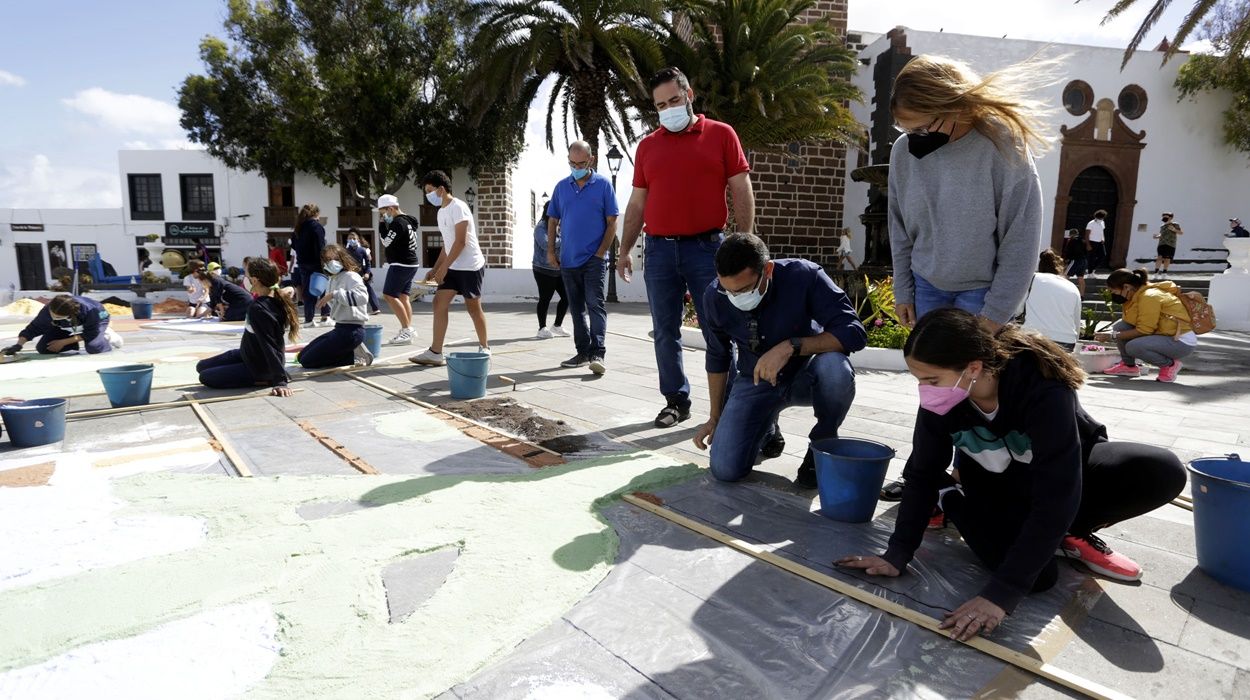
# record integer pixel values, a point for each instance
(65, 323)
(1235, 229)
(794, 329)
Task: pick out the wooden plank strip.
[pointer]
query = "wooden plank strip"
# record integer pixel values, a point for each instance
(334, 446)
(1032, 664)
(1181, 503)
(96, 413)
(236, 460)
(509, 444)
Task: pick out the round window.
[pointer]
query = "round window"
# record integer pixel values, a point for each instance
(1078, 97)
(1132, 102)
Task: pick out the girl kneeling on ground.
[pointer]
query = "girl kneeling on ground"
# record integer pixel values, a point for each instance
(65, 323)
(1038, 476)
(1155, 327)
(260, 359)
(348, 299)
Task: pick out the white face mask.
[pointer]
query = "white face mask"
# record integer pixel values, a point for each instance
(433, 198)
(676, 118)
(334, 267)
(747, 301)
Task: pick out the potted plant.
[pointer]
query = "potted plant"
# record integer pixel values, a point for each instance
(886, 335)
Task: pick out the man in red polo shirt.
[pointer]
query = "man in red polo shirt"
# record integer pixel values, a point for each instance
(681, 171)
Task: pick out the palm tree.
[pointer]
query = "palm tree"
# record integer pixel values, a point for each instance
(598, 51)
(1228, 22)
(759, 66)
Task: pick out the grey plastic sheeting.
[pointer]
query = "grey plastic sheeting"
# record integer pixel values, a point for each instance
(682, 616)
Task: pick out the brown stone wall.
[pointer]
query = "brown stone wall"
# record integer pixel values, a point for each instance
(495, 216)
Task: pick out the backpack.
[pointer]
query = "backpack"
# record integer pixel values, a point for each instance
(1201, 314)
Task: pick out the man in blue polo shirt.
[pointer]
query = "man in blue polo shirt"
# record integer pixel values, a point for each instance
(794, 329)
(583, 208)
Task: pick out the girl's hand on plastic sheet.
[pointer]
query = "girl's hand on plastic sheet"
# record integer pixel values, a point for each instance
(976, 615)
(873, 566)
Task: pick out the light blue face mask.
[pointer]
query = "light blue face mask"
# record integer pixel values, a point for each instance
(747, 301)
(676, 118)
(388, 218)
(579, 173)
(433, 198)
(334, 267)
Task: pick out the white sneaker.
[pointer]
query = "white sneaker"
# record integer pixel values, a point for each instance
(114, 338)
(361, 356)
(404, 337)
(322, 322)
(428, 357)
(484, 350)
(559, 332)
(545, 334)
(597, 366)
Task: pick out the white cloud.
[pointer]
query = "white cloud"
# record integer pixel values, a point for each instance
(37, 183)
(7, 78)
(127, 113)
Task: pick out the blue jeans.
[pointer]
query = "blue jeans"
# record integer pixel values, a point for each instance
(826, 383)
(334, 349)
(673, 268)
(225, 371)
(929, 298)
(584, 288)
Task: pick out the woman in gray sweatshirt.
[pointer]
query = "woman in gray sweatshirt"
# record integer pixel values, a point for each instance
(349, 307)
(965, 199)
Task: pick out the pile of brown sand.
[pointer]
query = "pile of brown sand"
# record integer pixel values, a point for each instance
(118, 310)
(169, 306)
(22, 307)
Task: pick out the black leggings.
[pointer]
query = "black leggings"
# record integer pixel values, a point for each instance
(1122, 480)
(548, 286)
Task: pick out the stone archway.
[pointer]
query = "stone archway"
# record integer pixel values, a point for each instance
(1102, 145)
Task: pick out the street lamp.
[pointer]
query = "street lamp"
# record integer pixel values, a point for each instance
(470, 196)
(614, 164)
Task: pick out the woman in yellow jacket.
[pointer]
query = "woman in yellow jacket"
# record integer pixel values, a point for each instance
(1155, 327)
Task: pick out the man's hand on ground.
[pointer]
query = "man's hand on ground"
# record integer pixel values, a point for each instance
(704, 436)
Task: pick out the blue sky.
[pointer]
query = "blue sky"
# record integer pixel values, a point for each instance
(81, 80)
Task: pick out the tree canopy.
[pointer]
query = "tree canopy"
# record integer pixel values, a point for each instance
(319, 86)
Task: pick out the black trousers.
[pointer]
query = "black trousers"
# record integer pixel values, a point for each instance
(549, 286)
(1122, 480)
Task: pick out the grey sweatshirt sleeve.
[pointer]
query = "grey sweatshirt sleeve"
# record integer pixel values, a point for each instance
(1019, 243)
(900, 242)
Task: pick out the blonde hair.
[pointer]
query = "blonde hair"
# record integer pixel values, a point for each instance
(997, 105)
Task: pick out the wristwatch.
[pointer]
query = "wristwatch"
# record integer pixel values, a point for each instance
(796, 345)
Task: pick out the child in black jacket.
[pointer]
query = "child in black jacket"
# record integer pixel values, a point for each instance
(260, 359)
(1038, 476)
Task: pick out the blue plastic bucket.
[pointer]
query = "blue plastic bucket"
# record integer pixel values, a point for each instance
(142, 308)
(35, 422)
(1221, 488)
(849, 474)
(373, 338)
(127, 385)
(317, 284)
(467, 372)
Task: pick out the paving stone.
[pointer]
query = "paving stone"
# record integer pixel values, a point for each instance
(1143, 667)
(412, 580)
(1143, 609)
(1219, 633)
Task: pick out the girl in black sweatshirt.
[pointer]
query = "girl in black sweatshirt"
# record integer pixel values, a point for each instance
(260, 359)
(1038, 474)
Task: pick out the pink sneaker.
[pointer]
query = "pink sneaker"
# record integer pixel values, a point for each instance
(1120, 369)
(1168, 374)
(1095, 554)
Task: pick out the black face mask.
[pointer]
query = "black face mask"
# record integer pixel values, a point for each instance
(1119, 299)
(921, 145)
(63, 322)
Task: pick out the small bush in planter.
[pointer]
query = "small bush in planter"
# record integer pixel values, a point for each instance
(882, 334)
(152, 237)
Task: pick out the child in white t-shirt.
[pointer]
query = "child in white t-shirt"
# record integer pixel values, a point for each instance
(197, 293)
(459, 270)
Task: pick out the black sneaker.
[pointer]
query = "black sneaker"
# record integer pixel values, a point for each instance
(773, 446)
(672, 414)
(806, 478)
(576, 361)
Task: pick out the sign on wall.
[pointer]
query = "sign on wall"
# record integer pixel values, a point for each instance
(82, 252)
(56, 255)
(190, 230)
(25, 227)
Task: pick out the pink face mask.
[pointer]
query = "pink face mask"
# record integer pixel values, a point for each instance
(941, 399)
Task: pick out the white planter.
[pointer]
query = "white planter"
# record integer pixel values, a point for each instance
(889, 359)
(693, 338)
(1095, 361)
(1238, 256)
(155, 250)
